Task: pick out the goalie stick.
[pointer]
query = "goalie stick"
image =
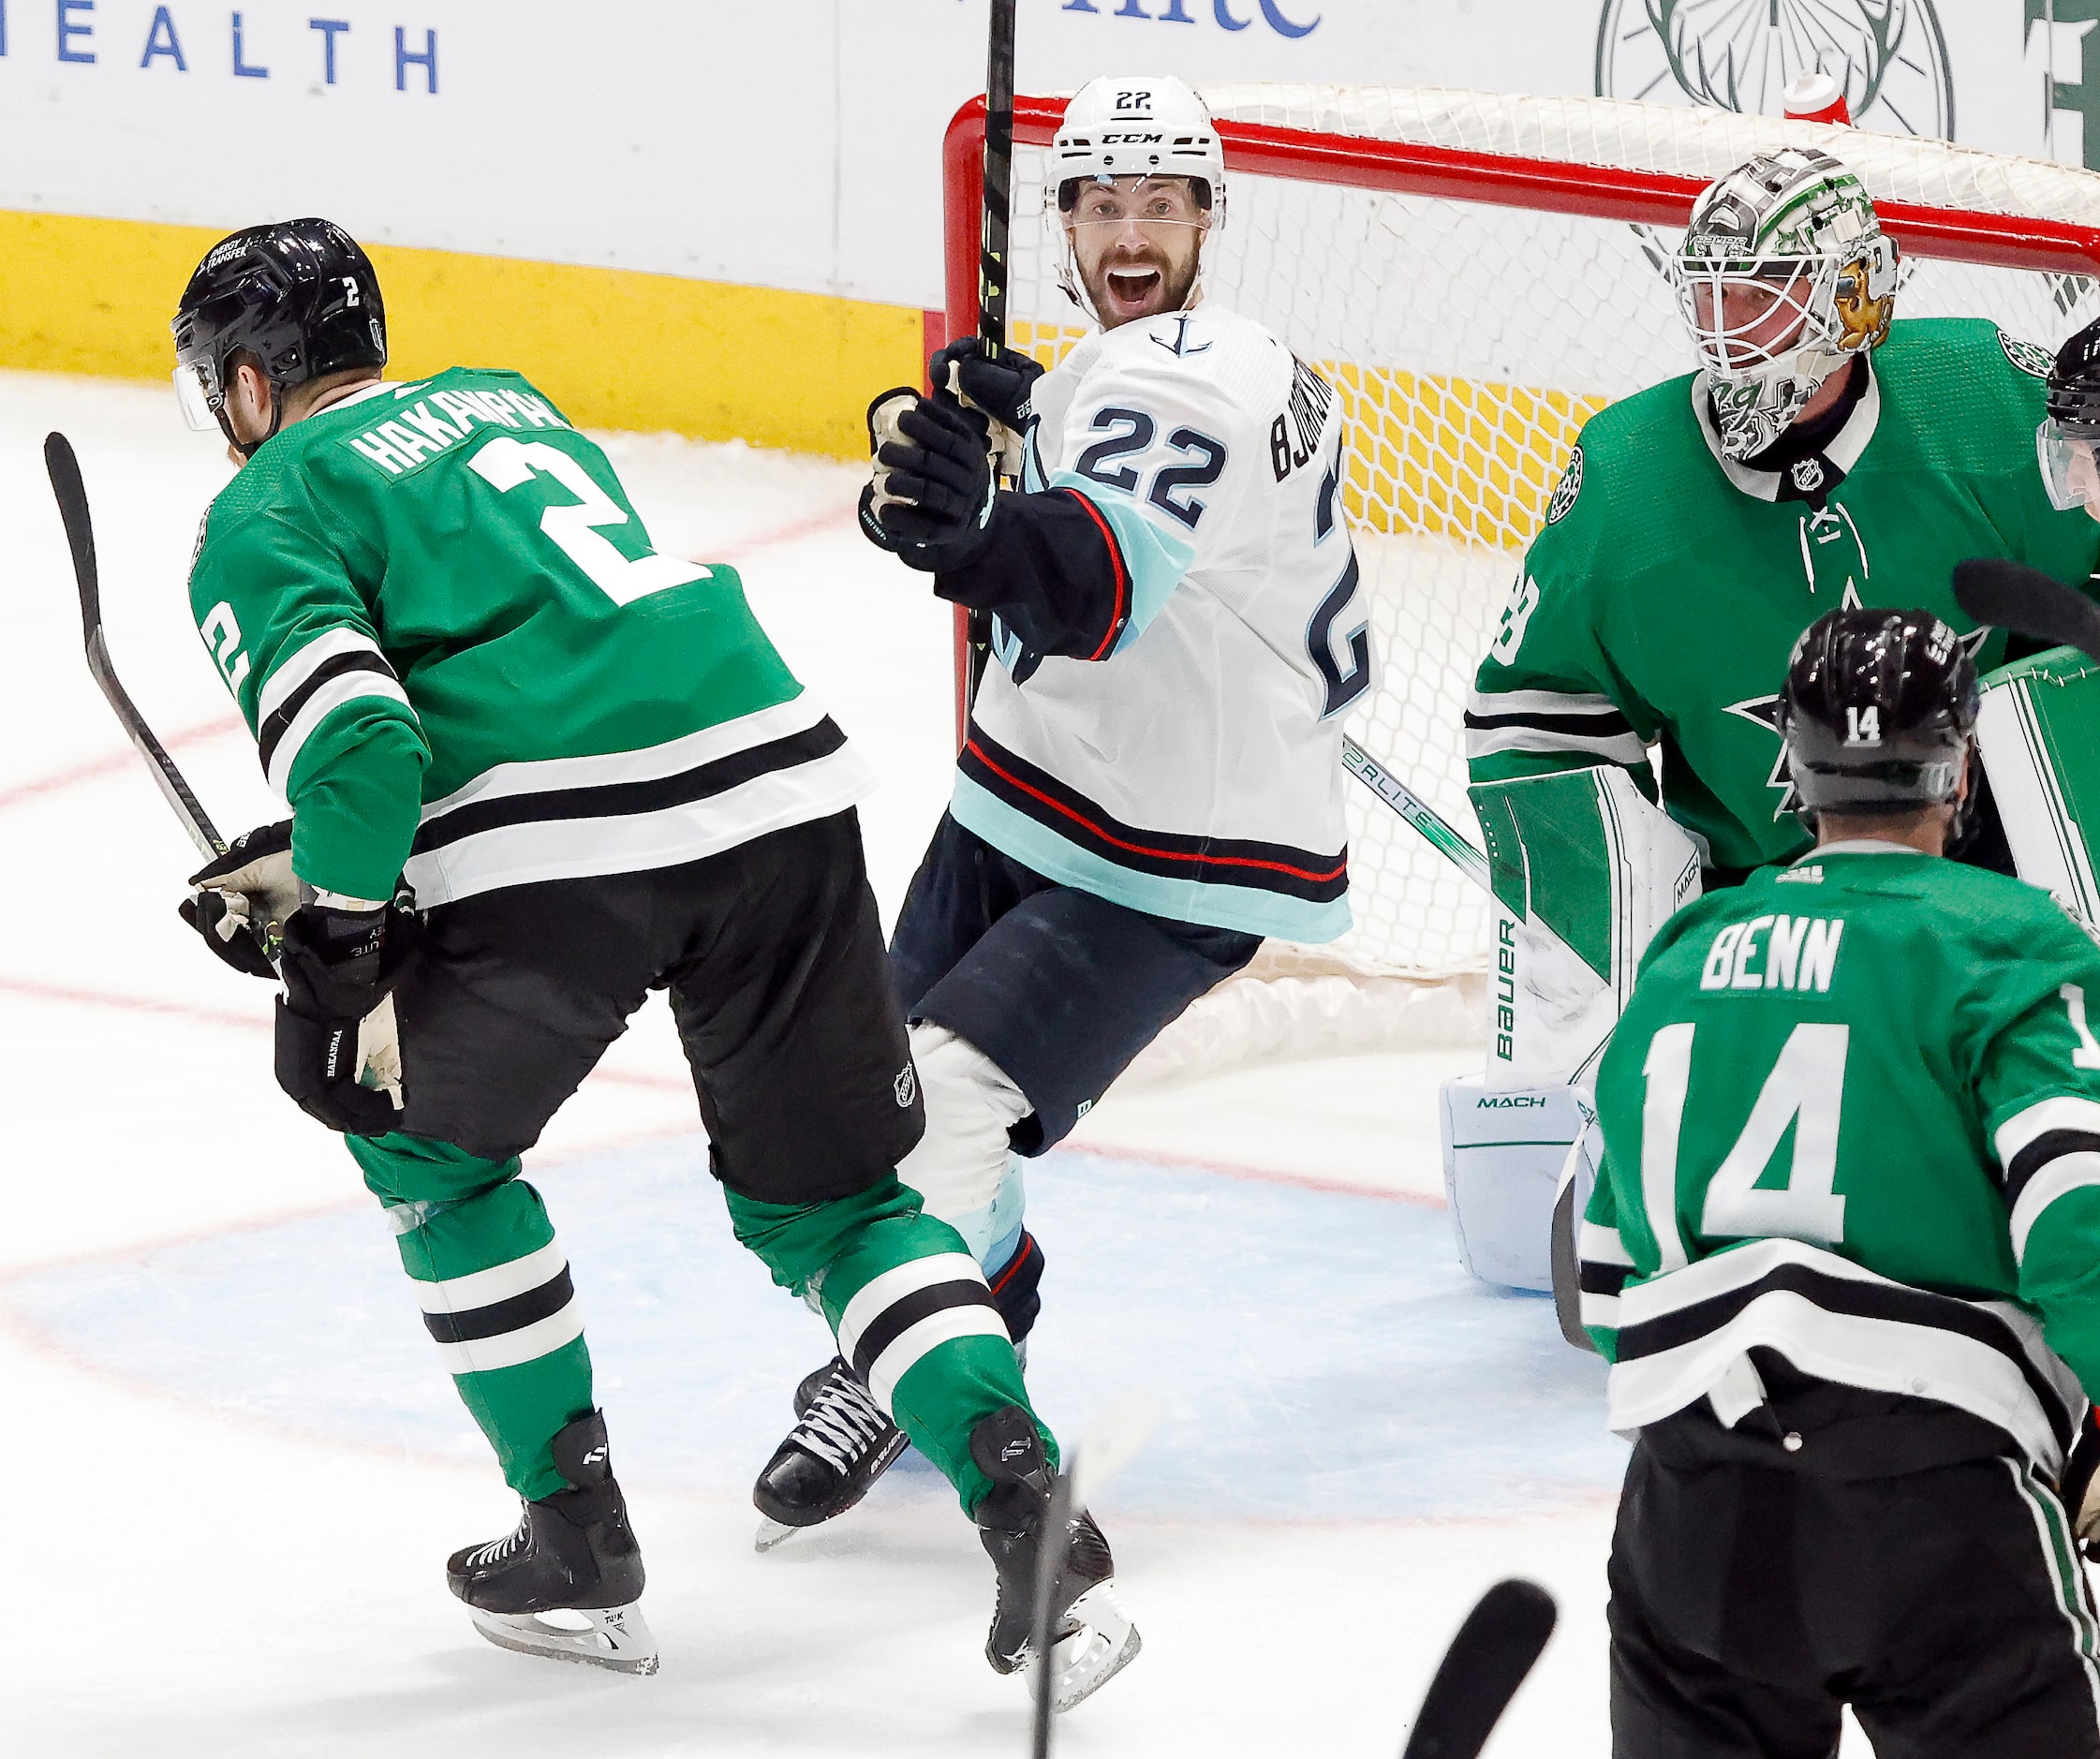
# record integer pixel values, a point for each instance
(1103, 1451)
(65, 470)
(2012, 596)
(1481, 1671)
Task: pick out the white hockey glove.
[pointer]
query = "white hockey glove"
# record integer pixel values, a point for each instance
(240, 902)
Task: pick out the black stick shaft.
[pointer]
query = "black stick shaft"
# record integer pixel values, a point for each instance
(1050, 1563)
(993, 252)
(65, 484)
(998, 179)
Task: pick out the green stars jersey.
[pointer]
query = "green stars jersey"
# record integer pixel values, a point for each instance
(1660, 601)
(1852, 1115)
(462, 661)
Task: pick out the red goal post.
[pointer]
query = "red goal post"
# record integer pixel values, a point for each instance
(1346, 204)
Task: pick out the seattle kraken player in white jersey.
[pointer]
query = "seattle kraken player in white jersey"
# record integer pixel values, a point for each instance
(1151, 780)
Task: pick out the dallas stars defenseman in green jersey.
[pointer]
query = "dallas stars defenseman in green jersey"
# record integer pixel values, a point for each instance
(464, 663)
(1844, 1255)
(536, 770)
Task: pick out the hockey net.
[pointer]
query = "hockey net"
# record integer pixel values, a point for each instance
(1479, 272)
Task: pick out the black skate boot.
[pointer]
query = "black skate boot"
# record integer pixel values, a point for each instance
(572, 1554)
(841, 1444)
(1092, 1639)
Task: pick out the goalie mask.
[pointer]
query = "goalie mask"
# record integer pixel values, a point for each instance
(2068, 442)
(1118, 131)
(1878, 710)
(1783, 277)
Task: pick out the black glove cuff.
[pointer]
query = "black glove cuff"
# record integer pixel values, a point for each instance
(337, 964)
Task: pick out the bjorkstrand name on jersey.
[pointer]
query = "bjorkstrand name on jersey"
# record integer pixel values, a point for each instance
(1797, 952)
(411, 438)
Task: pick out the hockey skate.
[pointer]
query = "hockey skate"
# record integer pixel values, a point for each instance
(572, 1556)
(1092, 1639)
(840, 1445)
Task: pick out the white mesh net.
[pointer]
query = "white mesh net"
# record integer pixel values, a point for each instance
(1471, 342)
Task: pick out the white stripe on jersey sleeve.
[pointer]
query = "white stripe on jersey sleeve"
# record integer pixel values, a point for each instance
(293, 669)
(350, 687)
(2057, 1178)
(2065, 1112)
(1602, 1246)
(1486, 742)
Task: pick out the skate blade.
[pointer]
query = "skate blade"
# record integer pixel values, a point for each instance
(772, 1532)
(615, 1638)
(1086, 1660)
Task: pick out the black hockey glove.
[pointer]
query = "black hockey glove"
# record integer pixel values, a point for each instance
(338, 1054)
(1003, 387)
(241, 899)
(934, 489)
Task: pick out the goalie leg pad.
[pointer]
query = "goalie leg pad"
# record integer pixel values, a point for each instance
(2039, 734)
(1586, 868)
(1504, 1153)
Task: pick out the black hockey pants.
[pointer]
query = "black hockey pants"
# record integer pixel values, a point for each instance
(1945, 1605)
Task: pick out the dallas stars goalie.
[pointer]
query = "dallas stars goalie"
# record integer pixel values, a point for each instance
(1821, 457)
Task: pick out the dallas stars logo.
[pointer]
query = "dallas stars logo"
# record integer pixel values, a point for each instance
(1764, 710)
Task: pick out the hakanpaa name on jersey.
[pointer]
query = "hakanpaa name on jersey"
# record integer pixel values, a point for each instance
(1678, 1326)
(1197, 774)
(589, 705)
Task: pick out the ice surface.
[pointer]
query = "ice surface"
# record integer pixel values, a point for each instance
(236, 1471)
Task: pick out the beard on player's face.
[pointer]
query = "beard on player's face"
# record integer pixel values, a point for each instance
(1137, 277)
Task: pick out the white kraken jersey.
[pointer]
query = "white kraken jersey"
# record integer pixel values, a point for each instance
(1193, 770)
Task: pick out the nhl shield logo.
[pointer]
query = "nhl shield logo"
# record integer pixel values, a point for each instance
(1808, 475)
(1565, 491)
(906, 1087)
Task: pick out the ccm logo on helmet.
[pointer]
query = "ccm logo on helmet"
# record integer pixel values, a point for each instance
(1131, 139)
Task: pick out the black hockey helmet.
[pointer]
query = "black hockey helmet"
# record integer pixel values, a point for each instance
(1878, 709)
(2068, 441)
(298, 295)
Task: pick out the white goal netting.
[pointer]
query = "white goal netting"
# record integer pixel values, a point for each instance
(1470, 341)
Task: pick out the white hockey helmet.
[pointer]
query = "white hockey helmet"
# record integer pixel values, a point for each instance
(1133, 126)
(1138, 126)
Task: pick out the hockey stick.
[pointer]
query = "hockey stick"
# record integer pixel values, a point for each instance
(1444, 836)
(991, 261)
(1481, 1671)
(2015, 597)
(1103, 1451)
(80, 535)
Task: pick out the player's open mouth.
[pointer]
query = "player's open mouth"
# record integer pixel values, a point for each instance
(1131, 289)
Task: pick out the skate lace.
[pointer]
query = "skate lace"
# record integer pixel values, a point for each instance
(842, 1423)
(497, 1550)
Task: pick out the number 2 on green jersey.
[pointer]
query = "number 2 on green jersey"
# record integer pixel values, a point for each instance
(506, 464)
(1805, 1089)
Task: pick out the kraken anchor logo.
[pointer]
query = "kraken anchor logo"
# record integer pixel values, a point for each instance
(1890, 56)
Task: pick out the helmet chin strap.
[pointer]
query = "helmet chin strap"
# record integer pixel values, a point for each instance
(276, 421)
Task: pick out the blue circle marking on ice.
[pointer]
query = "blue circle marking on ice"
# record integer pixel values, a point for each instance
(1317, 1355)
